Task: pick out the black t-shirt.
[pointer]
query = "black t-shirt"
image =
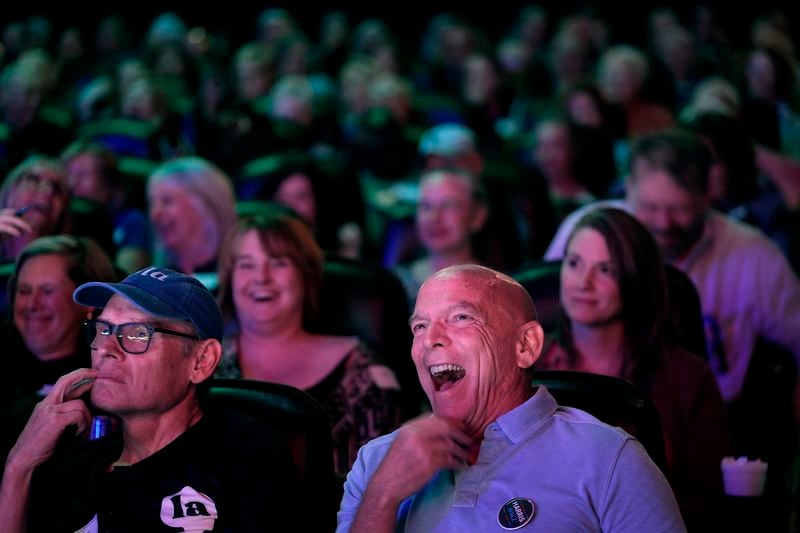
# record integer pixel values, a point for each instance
(226, 473)
(31, 376)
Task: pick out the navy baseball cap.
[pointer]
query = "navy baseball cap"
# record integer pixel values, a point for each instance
(161, 292)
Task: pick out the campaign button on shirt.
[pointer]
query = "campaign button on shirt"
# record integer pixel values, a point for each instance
(515, 513)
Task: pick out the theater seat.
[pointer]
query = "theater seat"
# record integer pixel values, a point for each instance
(300, 419)
(367, 300)
(542, 280)
(763, 425)
(612, 400)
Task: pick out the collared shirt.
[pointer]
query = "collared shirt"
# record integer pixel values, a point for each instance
(580, 475)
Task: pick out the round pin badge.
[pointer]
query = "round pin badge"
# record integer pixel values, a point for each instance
(516, 513)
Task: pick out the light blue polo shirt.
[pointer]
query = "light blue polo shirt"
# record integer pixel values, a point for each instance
(581, 475)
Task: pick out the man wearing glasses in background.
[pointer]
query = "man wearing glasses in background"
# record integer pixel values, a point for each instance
(156, 340)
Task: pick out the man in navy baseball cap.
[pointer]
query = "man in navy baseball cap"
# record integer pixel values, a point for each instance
(170, 465)
(163, 293)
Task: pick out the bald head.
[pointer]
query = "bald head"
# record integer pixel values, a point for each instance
(493, 287)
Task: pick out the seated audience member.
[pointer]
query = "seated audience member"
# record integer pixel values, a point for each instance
(334, 224)
(614, 305)
(34, 199)
(740, 188)
(747, 288)
(486, 99)
(92, 174)
(451, 209)
(602, 132)
(521, 219)
(769, 108)
(270, 274)
(42, 341)
(382, 138)
(145, 101)
(495, 449)
(25, 83)
(191, 206)
(555, 154)
(236, 128)
(622, 72)
(169, 465)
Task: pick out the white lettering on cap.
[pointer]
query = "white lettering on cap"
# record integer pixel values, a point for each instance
(153, 272)
(189, 510)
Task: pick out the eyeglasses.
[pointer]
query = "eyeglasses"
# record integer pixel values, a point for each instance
(38, 182)
(133, 337)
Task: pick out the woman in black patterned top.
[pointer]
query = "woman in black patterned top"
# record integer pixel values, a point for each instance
(270, 271)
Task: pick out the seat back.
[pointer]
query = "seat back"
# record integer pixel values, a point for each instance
(367, 300)
(543, 283)
(613, 401)
(123, 136)
(762, 418)
(295, 415)
(94, 220)
(685, 312)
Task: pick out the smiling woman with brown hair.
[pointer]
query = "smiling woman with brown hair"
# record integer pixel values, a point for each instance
(270, 272)
(614, 304)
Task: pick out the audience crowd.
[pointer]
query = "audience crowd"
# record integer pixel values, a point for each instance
(505, 149)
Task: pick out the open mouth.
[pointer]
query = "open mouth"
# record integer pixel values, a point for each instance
(262, 295)
(446, 375)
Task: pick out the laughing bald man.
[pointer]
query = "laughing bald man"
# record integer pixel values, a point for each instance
(496, 453)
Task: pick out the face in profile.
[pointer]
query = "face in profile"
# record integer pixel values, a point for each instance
(465, 331)
(590, 294)
(175, 214)
(675, 216)
(447, 214)
(266, 288)
(44, 313)
(46, 192)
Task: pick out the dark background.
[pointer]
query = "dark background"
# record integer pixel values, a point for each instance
(406, 18)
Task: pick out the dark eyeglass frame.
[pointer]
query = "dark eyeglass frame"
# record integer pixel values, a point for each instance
(91, 333)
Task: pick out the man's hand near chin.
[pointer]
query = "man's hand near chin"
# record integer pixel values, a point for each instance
(59, 410)
(423, 447)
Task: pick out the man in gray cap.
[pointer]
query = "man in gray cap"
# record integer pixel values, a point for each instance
(170, 465)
